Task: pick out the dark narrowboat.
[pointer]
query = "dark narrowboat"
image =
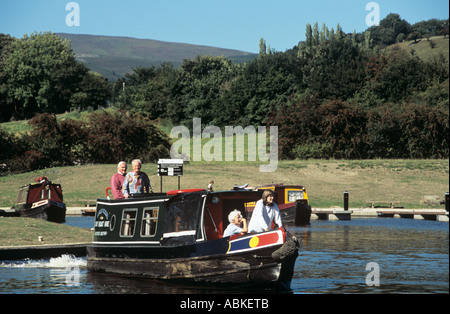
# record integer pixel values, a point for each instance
(292, 200)
(178, 236)
(41, 199)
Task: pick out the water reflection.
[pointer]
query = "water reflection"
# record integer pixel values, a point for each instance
(118, 284)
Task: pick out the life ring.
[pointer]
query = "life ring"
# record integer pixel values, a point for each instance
(175, 192)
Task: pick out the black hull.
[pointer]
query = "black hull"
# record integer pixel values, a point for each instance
(261, 268)
(51, 211)
(302, 213)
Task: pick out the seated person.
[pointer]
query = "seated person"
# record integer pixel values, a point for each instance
(265, 212)
(236, 220)
(136, 182)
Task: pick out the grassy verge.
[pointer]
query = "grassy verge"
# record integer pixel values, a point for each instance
(25, 231)
(406, 181)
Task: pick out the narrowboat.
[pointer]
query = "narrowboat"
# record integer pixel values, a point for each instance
(178, 236)
(292, 200)
(41, 199)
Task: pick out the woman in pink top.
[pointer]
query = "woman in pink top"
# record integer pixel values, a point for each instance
(117, 180)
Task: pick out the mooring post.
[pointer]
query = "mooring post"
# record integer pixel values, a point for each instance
(345, 200)
(446, 201)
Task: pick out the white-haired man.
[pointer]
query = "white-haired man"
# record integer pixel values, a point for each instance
(136, 182)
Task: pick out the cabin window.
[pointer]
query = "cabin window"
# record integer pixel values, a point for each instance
(149, 220)
(46, 193)
(22, 197)
(293, 195)
(128, 222)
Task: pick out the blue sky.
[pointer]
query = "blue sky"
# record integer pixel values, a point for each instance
(235, 24)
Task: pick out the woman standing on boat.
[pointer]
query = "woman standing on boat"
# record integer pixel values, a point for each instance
(265, 212)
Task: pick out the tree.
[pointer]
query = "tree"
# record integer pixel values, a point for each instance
(394, 22)
(6, 108)
(46, 139)
(402, 76)
(262, 47)
(413, 36)
(41, 74)
(199, 86)
(93, 92)
(337, 69)
(123, 136)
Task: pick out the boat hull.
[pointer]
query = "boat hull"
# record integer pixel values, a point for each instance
(259, 267)
(47, 210)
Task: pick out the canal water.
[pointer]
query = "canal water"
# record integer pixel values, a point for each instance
(364, 255)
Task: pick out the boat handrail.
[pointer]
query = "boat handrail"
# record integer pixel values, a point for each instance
(175, 192)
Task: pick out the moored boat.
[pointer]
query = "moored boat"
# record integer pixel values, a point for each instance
(179, 236)
(41, 199)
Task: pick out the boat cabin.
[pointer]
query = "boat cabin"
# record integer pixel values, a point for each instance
(286, 195)
(41, 190)
(173, 218)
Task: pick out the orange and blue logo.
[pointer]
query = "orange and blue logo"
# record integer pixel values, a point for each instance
(251, 242)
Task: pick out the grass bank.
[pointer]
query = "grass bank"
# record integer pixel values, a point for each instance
(406, 181)
(16, 231)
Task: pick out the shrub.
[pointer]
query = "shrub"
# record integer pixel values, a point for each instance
(313, 150)
(121, 136)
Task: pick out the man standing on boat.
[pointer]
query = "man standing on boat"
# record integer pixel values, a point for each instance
(265, 212)
(117, 180)
(136, 182)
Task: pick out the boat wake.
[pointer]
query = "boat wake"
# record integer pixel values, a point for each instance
(64, 261)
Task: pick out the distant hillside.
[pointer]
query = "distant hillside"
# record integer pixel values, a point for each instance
(426, 49)
(113, 57)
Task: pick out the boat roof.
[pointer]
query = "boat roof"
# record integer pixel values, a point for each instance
(250, 194)
(280, 186)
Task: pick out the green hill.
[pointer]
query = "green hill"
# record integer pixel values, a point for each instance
(426, 49)
(113, 57)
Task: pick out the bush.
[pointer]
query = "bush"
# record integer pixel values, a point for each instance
(121, 136)
(106, 138)
(313, 150)
(312, 130)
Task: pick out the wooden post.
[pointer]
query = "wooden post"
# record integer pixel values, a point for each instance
(345, 200)
(446, 201)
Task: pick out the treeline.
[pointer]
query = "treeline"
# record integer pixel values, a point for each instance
(334, 95)
(107, 137)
